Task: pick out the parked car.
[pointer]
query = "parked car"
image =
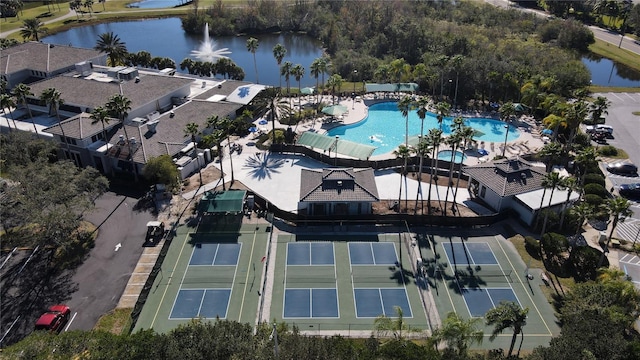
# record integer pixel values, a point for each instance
(630, 191)
(54, 319)
(626, 168)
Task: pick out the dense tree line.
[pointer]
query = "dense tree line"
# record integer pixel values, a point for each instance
(491, 51)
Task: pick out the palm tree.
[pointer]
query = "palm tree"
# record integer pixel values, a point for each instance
(618, 207)
(225, 125)
(335, 81)
(88, 4)
(383, 325)
(101, 115)
(298, 72)
(7, 102)
(406, 105)
(32, 28)
(191, 129)
(324, 66)
(52, 98)
(112, 45)
(552, 180)
(569, 184)
(585, 159)
(434, 138)
(582, 211)
(252, 46)
(443, 109)
(423, 147)
(598, 107)
(403, 152)
(554, 122)
(574, 116)
(506, 111)
(270, 102)
(456, 62)
(279, 52)
(21, 92)
(285, 70)
(218, 136)
(314, 70)
(458, 333)
(551, 152)
(453, 141)
(507, 315)
(466, 133)
(118, 106)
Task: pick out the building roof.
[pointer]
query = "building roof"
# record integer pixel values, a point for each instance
(169, 137)
(508, 177)
(533, 199)
(94, 93)
(356, 185)
(80, 126)
(224, 88)
(43, 57)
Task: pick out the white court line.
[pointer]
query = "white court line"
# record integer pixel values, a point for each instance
(70, 321)
(622, 259)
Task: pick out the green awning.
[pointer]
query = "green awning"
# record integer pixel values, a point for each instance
(393, 87)
(344, 147)
(231, 201)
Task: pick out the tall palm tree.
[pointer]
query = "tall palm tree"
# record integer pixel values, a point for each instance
(252, 46)
(270, 102)
(551, 152)
(569, 184)
(403, 152)
(507, 110)
(575, 114)
(406, 105)
(507, 315)
(585, 159)
(52, 98)
(111, 44)
(279, 52)
(453, 141)
(456, 62)
(21, 92)
(618, 208)
(324, 66)
(466, 133)
(383, 325)
(118, 106)
(434, 138)
(458, 333)
(191, 129)
(225, 125)
(218, 136)
(32, 28)
(422, 149)
(582, 211)
(7, 103)
(285, 70)
(88, 4)
(422, 104)
(335, 81)
(443, 109)
(298, 72)
(552, 180)
(314, 70)
(598, 107)
(101, 115)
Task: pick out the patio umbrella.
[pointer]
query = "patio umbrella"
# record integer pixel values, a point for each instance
(335, 110)
(263, 122)
(520, 107)
(253, 129)
(547, 132)
(307, 90)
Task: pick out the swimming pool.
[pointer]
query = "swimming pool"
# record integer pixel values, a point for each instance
(384, 128)
(446, 156)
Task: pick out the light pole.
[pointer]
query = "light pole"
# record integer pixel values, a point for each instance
(506, 135)
(336, 151)
(353, 96)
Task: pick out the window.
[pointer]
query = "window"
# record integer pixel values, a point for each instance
(483, 191)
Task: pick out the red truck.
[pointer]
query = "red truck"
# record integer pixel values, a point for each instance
(54, 319)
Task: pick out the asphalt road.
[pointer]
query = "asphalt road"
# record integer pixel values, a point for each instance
(101, 279)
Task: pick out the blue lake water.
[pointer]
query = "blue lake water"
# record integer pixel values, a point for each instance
(385, 128)
(165, 38)
(605, 72)
(156, 4)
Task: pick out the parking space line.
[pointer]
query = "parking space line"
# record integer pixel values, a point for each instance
(70, 321)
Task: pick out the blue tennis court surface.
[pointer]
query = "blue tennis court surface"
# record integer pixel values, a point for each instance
(479, 301)
(215, 254)
(371, 303)
(372, 253)
(310, 253)
(207, 303)
(469, 253)
(310, 303)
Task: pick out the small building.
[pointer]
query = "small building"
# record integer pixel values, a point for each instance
(343, 191)
(514, 184)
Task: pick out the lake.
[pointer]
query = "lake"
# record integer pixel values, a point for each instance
(605, 72)
(166, 38)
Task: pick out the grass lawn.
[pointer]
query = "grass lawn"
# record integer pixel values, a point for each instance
(614, 53)
(117, 321)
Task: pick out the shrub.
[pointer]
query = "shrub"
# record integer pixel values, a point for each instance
(533, 246)
(608, 150)
(593, 178)
(596, 189)
(593, 200)
(554, 244)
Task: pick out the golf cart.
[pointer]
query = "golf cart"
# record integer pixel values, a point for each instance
(155, 231)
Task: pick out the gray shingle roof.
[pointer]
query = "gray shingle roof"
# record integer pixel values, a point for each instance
(508, 177)
(43, 57)
(224, 88)
(92, 93)
(169, 137)
(338, 185)
(80, 127)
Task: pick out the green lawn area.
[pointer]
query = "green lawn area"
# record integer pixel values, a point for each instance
(117, 321)
(614, 53)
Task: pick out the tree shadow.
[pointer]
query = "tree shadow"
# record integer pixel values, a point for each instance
(263, 165)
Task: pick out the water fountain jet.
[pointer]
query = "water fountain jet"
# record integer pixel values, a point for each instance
(207, 50)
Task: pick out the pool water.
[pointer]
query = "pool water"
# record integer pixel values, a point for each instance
(446, 156)
(384, 128)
